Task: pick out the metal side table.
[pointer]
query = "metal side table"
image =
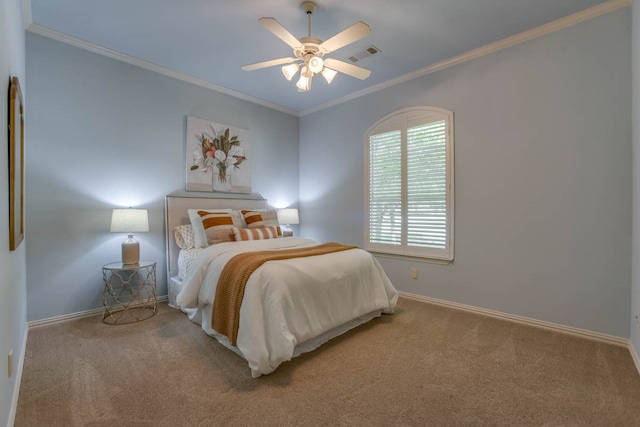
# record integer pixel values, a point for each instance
(129, 293)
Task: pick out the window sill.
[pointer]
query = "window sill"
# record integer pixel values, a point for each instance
(412, 258)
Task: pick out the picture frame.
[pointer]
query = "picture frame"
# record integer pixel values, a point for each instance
(16, 165)
(218, 157)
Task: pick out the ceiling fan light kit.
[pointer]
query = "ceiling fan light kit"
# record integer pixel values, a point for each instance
(315, 64)
(290, 70)
(309, 52)
(328, 74)
(304, 84)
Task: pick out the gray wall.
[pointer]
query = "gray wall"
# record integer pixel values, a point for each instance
(13, 294)
(107, 134)
(635, 283)
(542, 177)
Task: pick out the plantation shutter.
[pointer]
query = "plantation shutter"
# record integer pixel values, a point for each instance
(385, 188)
(427, 186)
(409, 202)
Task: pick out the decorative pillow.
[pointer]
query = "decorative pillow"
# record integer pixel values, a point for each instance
(198, 230)
(217, 226)
(253, 219)
(236, 216)
(260, 219)
(211, 227)
(185, 238)
(270, 219)
(262, 233)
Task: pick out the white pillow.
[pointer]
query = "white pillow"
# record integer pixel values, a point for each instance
(198, 229)
(236, 216)
(185, 259)
(185, 238)
(270, 219)
(260, 219)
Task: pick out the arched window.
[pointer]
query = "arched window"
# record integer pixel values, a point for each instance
(409, 184)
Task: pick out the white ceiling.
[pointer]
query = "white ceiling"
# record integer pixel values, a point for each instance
(209, 40)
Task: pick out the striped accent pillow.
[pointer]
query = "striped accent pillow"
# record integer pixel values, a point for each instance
(217, 226)
(262, 233)
(255, 219)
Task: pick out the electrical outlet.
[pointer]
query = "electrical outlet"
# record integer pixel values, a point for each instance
(10, 364)
(414, 273)
(638, 320)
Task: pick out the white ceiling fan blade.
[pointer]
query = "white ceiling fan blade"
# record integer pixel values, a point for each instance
(281, 32)
(348, 69)
(265, 64)
(357, 31)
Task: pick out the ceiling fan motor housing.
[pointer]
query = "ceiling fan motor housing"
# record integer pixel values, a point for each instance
(310, 48)
(309, 6)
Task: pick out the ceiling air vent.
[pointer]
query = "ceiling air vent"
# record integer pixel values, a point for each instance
(371, 50)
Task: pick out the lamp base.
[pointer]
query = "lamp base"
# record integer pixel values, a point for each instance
(286, 231)
(130, 251)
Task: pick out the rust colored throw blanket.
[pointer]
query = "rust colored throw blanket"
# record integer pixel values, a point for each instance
(235, 274)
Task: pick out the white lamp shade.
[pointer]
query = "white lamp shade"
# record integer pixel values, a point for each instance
(290, 70)
(315, 64)
(304, 84)
(288, 216)
(129, 220)
(328, 74)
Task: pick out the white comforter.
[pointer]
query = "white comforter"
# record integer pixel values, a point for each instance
(289, 302)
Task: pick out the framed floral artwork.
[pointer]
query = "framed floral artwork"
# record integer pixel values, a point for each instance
(218, 157)
(16, 165)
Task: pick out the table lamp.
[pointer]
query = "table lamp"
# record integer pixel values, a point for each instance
(130, 221)
(288, 217)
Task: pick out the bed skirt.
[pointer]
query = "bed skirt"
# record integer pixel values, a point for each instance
(202, 316)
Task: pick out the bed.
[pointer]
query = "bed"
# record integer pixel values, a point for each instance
(297, 294)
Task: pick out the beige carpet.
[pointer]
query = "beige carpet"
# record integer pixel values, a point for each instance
(423, 366)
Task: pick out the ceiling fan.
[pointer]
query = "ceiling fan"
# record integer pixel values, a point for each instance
(309, 52)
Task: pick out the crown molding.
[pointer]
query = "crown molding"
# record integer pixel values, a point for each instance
(113, 54)
(542, 30)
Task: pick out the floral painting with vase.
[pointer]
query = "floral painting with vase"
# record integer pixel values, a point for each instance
(218, 157)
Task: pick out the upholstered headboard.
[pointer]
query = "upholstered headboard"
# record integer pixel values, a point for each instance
(177, 203)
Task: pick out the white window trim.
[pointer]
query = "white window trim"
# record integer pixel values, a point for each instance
(392, 122)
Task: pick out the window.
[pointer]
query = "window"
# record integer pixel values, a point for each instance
(409, 179)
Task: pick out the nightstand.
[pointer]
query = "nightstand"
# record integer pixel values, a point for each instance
(129, 293)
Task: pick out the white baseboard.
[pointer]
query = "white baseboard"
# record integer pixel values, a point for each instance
(23, 350)
(634, 356)
(78, 315)
(16, 385)
(583, 333)
(569, 330)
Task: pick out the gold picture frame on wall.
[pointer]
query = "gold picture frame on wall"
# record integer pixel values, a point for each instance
(16, 165)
